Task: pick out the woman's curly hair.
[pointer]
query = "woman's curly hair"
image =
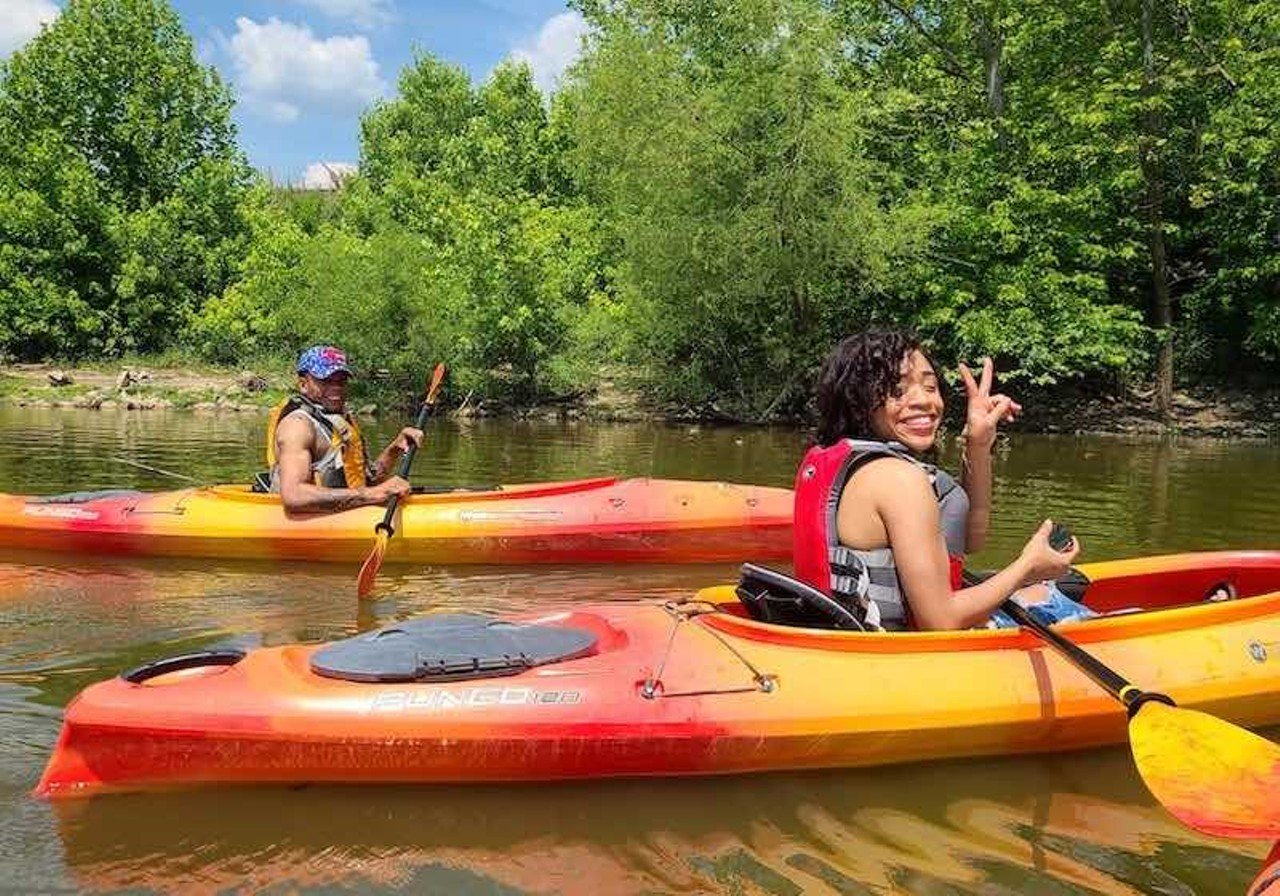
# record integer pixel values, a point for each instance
(856, 379)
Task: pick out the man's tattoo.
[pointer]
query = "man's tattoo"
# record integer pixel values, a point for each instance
(342, 499)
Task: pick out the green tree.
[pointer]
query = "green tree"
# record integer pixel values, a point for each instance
(1014, 122)
(478, 172)
(462, 239)
(1235, 306)
(728, 152)
(120, 183)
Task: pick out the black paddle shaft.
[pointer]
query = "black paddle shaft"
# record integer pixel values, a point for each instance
(1105, 677)
(405, 463)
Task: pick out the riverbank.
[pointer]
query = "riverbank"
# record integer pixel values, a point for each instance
(1208, 411)
(139, 387)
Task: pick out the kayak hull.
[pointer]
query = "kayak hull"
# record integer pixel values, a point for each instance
(693, 689)
(587, 521)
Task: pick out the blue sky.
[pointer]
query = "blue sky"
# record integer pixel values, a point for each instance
(303, 70)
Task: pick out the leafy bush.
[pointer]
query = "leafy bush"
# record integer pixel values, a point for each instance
(120, 183)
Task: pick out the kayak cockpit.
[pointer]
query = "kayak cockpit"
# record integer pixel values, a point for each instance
(252, 494)
(1109, 588)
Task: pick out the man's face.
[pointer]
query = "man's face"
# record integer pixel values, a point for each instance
(329, 393)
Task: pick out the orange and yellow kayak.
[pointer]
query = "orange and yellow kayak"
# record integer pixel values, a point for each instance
(587, 521)
(687, 688)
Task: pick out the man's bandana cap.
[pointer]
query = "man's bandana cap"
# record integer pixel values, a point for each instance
(323, 361)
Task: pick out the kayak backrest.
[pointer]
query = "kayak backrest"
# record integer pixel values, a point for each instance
(450, 647)
(771, 596)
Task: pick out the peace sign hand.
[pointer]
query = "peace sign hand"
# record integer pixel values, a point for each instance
(985, 410)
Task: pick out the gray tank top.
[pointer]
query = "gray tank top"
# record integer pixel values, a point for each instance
(326, 469)
(873, 574)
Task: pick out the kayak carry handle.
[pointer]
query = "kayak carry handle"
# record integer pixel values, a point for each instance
(147, 671)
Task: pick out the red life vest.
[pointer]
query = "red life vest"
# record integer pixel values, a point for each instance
(865, 581)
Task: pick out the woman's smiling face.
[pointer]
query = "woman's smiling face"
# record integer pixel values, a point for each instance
(912, 413)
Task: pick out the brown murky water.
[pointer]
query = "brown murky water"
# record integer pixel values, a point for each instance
(1069, 824)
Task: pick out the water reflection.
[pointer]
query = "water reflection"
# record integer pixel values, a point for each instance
(1067, 824)
(977, 827)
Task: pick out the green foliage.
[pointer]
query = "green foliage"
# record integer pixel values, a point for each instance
(120, 183)
(1237, 195)
(731, 160)
(722, 189)
(455, 243)
(371, 295)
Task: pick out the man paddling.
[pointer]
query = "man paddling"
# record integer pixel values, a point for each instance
(317, 455)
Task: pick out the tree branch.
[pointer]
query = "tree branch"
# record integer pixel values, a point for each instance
(1182, 16)
(950, 64)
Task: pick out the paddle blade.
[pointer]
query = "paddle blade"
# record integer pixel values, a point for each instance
(1211, 775)
(437, 377)
(369, 572)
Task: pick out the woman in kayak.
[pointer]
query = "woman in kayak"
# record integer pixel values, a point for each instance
(882, 531)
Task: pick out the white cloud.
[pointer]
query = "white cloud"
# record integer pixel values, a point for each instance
(326, 175)
(20, 20)
(556, 47)
(282, 68)
(361, 13)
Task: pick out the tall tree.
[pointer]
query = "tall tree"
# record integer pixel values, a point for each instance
(1234, 309)
(1151, 137)
(463, 190)
(120, 182)
(727, 150)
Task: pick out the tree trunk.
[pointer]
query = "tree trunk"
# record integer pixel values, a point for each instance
(991, 45)
(1153, 177)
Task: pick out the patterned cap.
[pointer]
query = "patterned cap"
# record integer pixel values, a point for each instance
(323, 361)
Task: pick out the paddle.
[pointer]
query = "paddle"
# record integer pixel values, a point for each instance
(386, 528)
(1211, 775)
(150, 469)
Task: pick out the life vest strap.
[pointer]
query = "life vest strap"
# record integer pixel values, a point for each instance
(349, 444)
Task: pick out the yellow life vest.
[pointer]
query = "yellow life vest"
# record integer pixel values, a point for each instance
(345, 443)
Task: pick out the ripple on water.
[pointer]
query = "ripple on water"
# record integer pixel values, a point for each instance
(1070, 824)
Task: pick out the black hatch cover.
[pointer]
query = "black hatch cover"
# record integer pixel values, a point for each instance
(449, 647)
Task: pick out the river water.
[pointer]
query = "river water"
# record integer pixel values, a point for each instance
(1068, 824)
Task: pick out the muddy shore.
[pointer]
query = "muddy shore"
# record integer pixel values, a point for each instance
(1203, 411)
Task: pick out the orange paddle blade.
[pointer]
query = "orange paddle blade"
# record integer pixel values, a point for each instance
(369, 572)
(1211, 775)
(437, 377)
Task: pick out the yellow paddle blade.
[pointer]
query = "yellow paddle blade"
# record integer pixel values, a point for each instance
(1211, 775)
(369, 572)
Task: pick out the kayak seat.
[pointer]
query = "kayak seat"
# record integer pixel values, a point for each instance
(771, 596)
(450, 647)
